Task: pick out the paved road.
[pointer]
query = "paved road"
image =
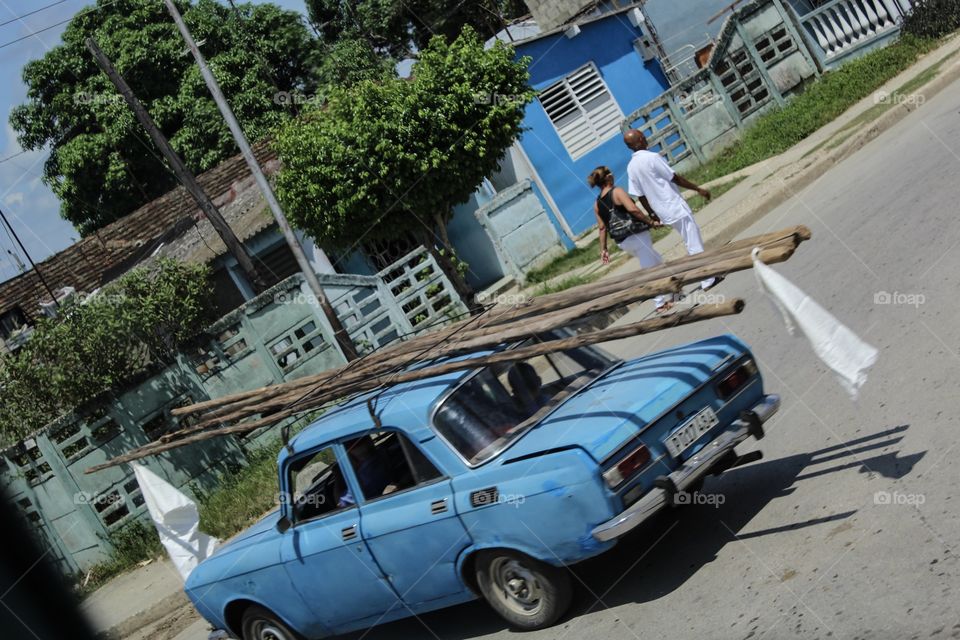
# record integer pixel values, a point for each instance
(802, 546)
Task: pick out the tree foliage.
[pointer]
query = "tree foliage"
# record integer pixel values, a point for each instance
(397, 27)
(102, 164)
(394, 157)
(101, 341)
(932, 18)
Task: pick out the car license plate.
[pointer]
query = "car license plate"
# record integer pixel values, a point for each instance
(691, 430)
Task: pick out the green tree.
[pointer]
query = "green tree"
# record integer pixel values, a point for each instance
(397, 27)
(394, 157)
(102, 165)
(102, 341)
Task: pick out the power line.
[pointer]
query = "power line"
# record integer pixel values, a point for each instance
(32, 264)
(30, 13)
(11, 157)
(57, 24)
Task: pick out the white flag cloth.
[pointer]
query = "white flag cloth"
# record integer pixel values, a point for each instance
(177, 521)
(840, 348)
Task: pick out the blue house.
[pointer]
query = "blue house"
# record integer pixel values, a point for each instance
(589, 73)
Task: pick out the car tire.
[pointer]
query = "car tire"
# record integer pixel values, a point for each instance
(260, 624)
(527, 593)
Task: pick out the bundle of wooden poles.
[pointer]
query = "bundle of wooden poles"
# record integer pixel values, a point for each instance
(480, 334)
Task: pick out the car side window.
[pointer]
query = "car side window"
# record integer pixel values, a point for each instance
(386, 462)
(317, 485)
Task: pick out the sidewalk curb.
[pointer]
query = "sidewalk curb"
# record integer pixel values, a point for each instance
(727, 227)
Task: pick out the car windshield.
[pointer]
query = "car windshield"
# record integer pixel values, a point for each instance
(493, 407)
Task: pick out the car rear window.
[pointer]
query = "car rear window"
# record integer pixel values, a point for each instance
(497, 404)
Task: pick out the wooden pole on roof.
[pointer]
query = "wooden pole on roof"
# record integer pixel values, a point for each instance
(777, 247)
(180, 170)
(686, 316)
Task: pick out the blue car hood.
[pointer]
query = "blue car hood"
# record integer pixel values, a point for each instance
(616, 406)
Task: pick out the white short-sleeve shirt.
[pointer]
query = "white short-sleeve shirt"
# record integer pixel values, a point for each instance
(649, 175)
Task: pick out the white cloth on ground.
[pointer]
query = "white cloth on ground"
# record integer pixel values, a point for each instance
(640, 246)
(835, 344)
(177, 521)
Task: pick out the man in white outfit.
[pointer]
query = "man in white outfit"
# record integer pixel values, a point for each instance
(652, 180)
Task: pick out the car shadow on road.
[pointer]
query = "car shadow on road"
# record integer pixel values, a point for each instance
(669, 549)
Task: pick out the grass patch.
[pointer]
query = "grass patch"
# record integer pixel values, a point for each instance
(241, 496)
(136, 542)
(822, 101)
(574, 259)
(874, 112)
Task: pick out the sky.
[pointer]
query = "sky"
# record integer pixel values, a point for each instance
(30, 206)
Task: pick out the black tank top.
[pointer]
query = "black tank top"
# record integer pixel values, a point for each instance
(606, 205)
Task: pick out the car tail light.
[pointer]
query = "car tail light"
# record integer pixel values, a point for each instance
(630, 464)
(736, 379)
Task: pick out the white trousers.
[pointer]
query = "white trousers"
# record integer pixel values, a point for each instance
(689, 230)
(640, 246)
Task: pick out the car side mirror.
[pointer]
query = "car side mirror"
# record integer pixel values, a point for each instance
(283, 524)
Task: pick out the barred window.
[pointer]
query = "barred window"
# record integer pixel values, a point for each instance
(582, 110)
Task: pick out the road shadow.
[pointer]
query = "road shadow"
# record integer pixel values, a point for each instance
(669, 549)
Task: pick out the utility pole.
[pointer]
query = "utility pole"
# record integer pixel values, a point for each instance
(33, 266)
(340, 334)
(180, 170)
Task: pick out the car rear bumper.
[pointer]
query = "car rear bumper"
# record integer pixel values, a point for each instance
(749, 424)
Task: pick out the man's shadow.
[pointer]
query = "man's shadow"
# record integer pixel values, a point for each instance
(669, 549)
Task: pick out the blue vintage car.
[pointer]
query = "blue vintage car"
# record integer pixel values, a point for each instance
(479, 484)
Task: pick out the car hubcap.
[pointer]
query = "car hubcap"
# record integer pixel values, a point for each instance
(517, 586)
(264, 630)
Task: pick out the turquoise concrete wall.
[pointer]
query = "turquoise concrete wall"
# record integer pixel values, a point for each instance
(280, 335)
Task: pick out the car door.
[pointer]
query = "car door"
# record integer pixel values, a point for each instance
(410, 523)
(324, 552)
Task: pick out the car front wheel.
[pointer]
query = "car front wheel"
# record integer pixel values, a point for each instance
(527, 593)
(260, 624)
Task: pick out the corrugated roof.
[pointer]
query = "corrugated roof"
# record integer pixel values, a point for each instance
(170, 219)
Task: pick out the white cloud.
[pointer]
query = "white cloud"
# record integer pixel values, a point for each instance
(14, 198)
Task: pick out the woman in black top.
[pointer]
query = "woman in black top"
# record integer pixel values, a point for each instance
(618, 216)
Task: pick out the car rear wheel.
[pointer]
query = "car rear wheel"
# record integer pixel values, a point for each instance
(260, 624)
(527, 593)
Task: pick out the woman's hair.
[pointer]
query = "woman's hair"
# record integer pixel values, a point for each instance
(599, 176)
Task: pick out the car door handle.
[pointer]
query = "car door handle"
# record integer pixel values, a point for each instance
(349, 533)
(438, 506)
